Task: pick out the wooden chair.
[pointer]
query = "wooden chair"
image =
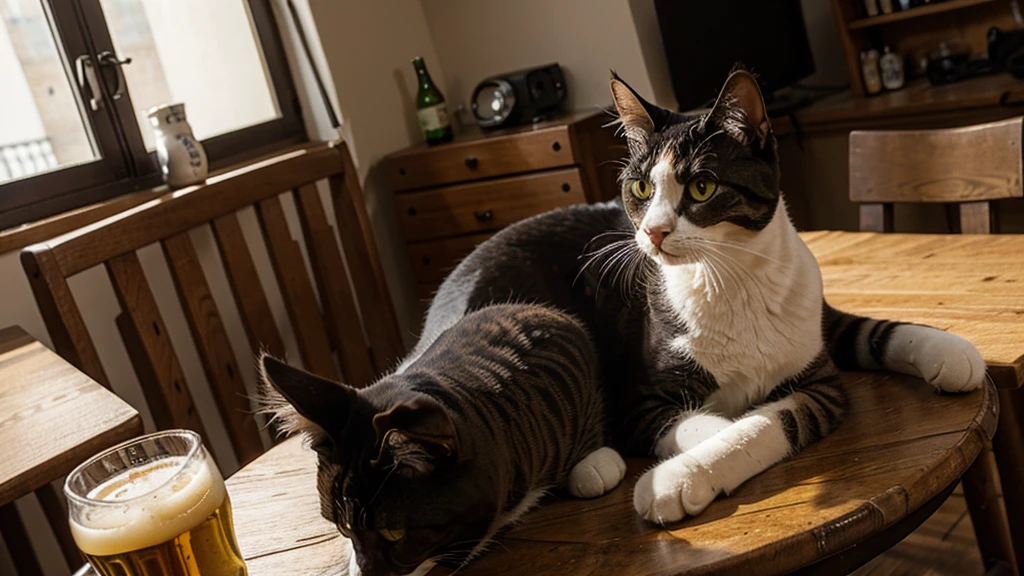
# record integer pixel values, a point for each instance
(969, 168)
(355, 321)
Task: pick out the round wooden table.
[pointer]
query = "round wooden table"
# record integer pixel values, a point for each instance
(895, 458)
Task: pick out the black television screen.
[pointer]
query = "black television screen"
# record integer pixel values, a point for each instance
(703, 39)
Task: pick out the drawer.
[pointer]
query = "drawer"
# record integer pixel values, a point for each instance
(476, 159)
(484, 206)
(433, 261)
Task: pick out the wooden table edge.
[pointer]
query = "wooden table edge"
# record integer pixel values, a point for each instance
(873, 516)
(64, 465)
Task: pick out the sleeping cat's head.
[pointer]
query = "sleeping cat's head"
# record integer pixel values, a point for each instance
(703, 177)
(392, 472)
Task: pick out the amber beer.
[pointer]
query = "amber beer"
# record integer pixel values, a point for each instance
(155, 506)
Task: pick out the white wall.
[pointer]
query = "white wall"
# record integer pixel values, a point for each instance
(479, 38)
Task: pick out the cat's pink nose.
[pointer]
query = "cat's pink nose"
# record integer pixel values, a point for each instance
(658, 233)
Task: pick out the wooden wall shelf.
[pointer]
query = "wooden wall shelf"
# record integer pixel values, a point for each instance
(914, 13)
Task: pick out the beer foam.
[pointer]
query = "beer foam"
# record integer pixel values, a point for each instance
(147, 506)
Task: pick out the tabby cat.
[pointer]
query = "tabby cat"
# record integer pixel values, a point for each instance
(430, 462)
(719, 351)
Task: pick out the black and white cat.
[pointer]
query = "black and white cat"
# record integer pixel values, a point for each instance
(736, 323)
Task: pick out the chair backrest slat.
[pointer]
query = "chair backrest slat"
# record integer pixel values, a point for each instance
(363, 260)
(257, 319)
(972, 166)
(214, 349)
(362, 339)
(335, 293)
(149, 346)
(163, 217)
(299, 300)
(978, 218)
(60, 313)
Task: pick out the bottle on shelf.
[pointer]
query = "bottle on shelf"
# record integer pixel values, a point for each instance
(891, 64)
(869, 71)
(430, 107)
(872, 7)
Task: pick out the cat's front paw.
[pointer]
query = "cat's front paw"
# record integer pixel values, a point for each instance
(597, 474)
(673, 489)
(948, 362)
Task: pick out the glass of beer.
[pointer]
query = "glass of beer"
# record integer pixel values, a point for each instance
(154, 506)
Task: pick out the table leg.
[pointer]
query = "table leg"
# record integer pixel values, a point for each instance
(988, 515)
(1008, 447)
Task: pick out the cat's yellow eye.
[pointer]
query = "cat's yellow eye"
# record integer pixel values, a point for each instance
(642, 189)
(392, 535)
(701, 189)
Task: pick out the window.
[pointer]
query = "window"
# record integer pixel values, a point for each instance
(78, 77)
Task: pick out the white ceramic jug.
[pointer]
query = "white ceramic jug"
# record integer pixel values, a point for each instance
(182, 158)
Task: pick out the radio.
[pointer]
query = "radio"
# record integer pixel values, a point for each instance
(520, 97)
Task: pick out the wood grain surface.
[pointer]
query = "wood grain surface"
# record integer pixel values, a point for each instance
(335, 292)
(901, 445)
(482, 206)
(515, 152)
(432, 261)
(215, 353)
(52, 416)
(296, 289)
(257, 318)
(982, 162)
(364, 264)
(163, 217)
(970, 285)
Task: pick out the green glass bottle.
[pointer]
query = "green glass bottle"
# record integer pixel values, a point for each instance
(430, 107)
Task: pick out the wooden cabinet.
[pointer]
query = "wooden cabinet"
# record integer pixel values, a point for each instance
(452, 197)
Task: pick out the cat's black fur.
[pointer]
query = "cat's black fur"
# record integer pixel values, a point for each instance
(495, 411)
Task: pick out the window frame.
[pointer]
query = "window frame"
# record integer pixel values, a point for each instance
(124, 165)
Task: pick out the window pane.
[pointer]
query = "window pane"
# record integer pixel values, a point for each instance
(41, 126)
(201, 52)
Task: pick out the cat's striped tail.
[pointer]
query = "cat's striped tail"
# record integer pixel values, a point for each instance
(946, 361)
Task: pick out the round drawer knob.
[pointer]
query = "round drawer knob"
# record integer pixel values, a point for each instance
(426, 260)
(556, 146)
(485, 216)
(412, 211)
(566, 187)
(472, 162)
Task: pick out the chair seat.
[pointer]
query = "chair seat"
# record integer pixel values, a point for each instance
(52, 416)
(901, 446)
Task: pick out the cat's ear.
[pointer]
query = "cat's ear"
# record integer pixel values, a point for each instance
(315, 400)
(740, 110)
(417, 435)
(637, 124)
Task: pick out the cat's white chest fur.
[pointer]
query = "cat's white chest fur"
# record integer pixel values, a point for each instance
(755, 325)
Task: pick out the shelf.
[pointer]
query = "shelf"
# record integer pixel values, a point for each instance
(914, 13)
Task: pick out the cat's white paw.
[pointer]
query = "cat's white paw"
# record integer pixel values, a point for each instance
(673, 489)
(689, 431)
(946, 361)
(597, 474)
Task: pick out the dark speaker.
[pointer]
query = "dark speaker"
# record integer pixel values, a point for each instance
(520, 97)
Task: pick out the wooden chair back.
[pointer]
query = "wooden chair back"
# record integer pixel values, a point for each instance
(971, 166)
(364, 347)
